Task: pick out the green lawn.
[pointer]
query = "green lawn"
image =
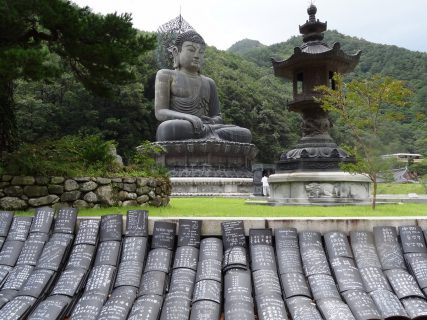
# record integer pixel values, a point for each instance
(226, 207)
(401, 188)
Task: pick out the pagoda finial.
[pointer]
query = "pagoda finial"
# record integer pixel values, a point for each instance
(312, 29)
(312, 10)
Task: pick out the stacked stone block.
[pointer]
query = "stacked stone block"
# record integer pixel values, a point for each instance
(126, 286)
(178, 299)
(154, 280)
(238, 297)
(295, 288)
(207, 305)
(40, 262)
(79, 266)
(348, 278)
(48, 274)
(268, 294)
(23, 192)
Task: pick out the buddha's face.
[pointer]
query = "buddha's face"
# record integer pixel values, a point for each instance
(191, 56)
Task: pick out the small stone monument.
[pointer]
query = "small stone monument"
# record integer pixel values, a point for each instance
(196, 141)
(309, 173)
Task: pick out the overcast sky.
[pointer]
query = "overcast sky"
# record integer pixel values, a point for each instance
(224, 22)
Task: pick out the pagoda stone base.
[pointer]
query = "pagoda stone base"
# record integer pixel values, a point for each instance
(314, 153)
(207, 158)
(204, 187)
(319, 188)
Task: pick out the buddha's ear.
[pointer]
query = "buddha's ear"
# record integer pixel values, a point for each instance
(175, 54)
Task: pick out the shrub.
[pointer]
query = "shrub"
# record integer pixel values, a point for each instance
(144, 160)
(81, 155)
(69, 156)
(419, 167)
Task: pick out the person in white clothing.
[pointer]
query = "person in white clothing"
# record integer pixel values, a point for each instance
(265, 186)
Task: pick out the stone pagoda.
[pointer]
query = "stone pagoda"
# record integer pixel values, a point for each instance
(309, 172)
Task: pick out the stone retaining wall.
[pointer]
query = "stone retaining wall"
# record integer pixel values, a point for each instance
(23, 192)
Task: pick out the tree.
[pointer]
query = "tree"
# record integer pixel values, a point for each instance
(99, 50)
(420, 170)
(253, 98)
(366, 108)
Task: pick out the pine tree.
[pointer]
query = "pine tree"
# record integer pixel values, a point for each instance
(98, 49)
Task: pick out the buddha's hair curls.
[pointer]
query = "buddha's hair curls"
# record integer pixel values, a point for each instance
(189, 35)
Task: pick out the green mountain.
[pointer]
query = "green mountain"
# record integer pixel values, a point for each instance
(250, 96)
(376, 58)
(409, 134)
(245, 45)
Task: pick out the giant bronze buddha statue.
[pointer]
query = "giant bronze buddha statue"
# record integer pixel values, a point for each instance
(187, 102)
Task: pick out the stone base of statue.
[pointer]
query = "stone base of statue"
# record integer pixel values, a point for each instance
(207, 158)
(207, 187)
(214, 166)
(319, 188)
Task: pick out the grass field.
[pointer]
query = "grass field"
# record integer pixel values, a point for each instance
(234, 207)
(401, 188)
(226, 207)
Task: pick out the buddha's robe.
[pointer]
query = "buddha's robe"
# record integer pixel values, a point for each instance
(197, 96)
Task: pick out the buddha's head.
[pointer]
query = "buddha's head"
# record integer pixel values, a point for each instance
(188, 51)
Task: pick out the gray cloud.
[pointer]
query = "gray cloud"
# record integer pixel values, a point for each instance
(223, 22)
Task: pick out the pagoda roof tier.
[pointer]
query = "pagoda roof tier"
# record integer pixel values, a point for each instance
(316, 53)
(312, 29)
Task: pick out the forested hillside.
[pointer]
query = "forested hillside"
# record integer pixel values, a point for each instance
(250, 97)
(407, 134)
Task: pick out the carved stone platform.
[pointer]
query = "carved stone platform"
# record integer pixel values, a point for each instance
(319, 188)
(207, 158)
(206, 187)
